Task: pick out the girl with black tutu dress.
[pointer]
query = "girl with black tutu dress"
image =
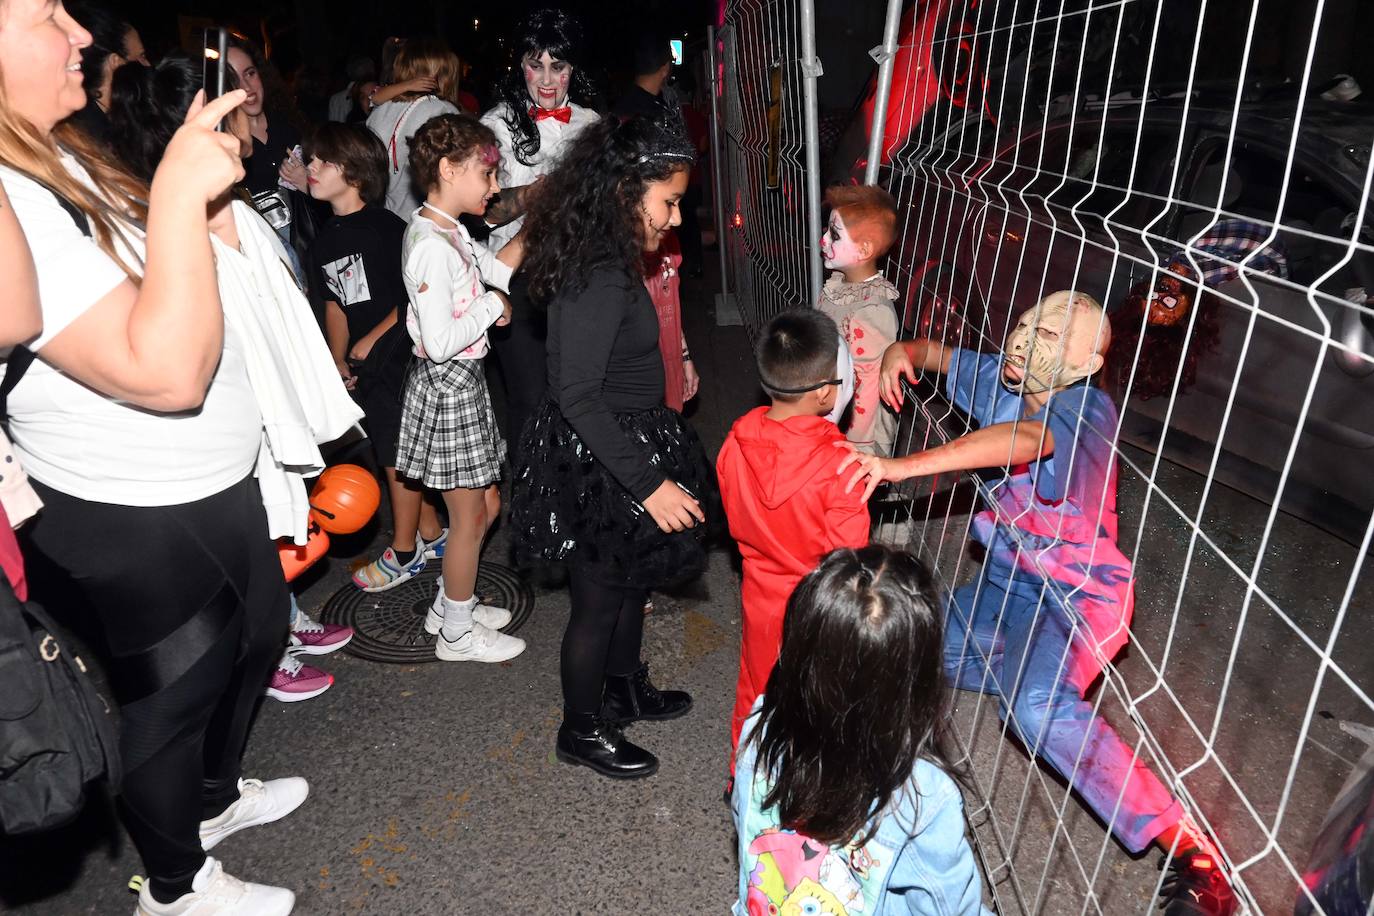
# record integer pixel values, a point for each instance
(609, 480)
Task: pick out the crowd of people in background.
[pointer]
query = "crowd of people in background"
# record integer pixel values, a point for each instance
(210, 293)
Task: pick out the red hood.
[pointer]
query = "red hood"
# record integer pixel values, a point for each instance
(782, 457)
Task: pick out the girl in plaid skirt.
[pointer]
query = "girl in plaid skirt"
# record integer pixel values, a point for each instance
(449, 438)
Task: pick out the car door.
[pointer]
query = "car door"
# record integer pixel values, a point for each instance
(1274, 360)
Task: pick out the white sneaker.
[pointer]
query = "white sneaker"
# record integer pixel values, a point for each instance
(493, 618)
(213, 893)
(259, 803)
(480, 644)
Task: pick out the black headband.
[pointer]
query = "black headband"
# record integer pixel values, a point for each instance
(831, 381)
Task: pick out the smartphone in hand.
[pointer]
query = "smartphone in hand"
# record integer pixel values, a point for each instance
(214, 61)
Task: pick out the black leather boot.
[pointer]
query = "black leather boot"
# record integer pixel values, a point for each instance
(632, 697)
(606, 750)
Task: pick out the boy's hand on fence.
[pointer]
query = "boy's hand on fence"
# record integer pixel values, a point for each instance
(877, 470)
(673, 508)
(896, 365)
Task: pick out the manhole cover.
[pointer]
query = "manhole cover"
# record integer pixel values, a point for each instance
(389, 625)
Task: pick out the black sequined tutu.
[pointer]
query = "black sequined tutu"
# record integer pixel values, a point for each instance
(567, 507)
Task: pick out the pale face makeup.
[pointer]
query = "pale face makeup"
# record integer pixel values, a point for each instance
(546, 79)
(838, 249)
(40, 61)
(1055, 343)
(661, 209)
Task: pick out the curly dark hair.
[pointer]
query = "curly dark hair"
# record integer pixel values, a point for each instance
(1162, 353)
(454, 137)
(543, 30)
(149, 104)
(587, 212)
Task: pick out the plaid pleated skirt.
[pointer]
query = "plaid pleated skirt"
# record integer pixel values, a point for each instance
(449, 436)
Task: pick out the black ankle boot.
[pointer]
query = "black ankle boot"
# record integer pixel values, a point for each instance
(606, 750)
(632, 697)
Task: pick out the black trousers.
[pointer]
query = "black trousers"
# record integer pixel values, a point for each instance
(520, 352)
(194, 608)
(604, 636)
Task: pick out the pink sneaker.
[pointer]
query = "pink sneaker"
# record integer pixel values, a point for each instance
(310, 637)
(293, 681)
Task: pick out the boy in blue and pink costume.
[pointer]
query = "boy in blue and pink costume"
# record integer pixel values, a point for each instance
(1054, 596)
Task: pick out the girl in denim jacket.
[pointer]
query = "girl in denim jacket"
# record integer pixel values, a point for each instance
(842, 800)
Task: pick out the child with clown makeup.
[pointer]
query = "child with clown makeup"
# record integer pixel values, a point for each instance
(858, 298)
(1055, 593)
(449, 440)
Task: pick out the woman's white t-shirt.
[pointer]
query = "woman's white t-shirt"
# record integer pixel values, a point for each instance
(395, 122)
(94, 447)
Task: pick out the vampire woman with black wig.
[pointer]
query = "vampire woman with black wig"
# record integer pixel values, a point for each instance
(610, 480)
(540, 110)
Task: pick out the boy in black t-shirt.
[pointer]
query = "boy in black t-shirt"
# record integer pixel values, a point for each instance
(357, 260)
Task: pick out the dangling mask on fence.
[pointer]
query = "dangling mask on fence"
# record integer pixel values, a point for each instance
(1168, 302)
(1058, 341)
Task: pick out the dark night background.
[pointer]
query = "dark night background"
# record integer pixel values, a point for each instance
(310, 40)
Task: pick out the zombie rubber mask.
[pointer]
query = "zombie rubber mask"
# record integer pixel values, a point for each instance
(1055, 343)
(546, 79)
(838, 247)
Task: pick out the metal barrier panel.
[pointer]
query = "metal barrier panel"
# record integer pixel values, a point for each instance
(1196, 543)
(767, 242)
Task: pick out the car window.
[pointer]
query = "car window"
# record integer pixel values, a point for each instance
(1317, 215)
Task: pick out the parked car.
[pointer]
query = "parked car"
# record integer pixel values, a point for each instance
(1095, 199)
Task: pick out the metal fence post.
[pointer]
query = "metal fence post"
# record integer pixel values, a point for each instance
(717, 155)
(885, 55)
(811, 71)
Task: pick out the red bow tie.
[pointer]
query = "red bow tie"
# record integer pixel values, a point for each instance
(563, 114)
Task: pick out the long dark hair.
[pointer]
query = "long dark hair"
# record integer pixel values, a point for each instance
(587, 211)
(543, 30)
(149, 104)
(108, 31)
(857, 695)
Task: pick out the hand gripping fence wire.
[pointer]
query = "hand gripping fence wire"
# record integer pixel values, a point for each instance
(1098, 146)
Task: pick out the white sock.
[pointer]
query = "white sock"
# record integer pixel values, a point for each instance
(457, 617)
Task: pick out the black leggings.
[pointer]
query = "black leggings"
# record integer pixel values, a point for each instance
(193, 607)
(604, 635)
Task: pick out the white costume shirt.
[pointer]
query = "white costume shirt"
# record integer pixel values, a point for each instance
(95, 447)
(554, 136)
(450, 307)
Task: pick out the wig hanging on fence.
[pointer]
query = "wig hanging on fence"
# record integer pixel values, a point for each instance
(1175, 343)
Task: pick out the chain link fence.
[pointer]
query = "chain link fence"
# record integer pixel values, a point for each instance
(1204, 171)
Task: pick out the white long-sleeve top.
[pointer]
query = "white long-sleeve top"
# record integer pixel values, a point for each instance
(295, 384)
(446, 275)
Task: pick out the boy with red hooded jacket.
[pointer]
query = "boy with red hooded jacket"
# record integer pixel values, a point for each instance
(785, 505)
